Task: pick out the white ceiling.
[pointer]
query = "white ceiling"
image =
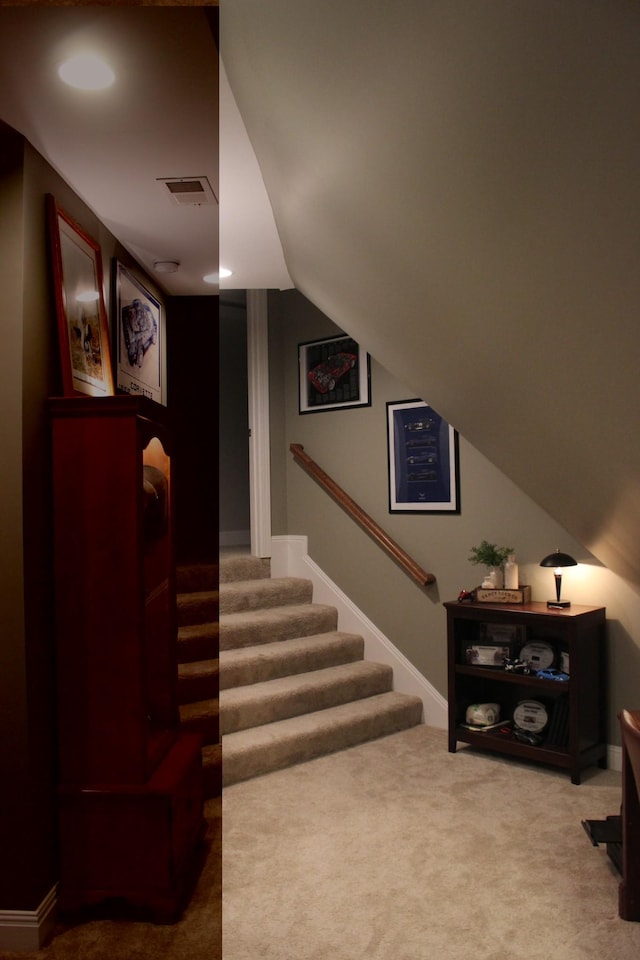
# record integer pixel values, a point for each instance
(159, 120)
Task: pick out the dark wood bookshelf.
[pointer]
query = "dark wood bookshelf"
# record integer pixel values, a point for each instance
(574, 737)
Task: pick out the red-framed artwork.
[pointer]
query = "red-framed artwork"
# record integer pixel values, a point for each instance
(83, 330)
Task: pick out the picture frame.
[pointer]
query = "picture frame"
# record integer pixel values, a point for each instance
(333, 374)
(139, 336)
(503, 633)
(83, 331)
(423, 460)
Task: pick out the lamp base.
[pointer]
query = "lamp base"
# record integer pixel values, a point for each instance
(558, 604)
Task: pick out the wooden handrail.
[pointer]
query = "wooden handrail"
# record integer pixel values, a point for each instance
(409, 565)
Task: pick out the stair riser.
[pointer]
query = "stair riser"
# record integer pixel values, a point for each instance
(282, 626)
(197, 648)
(194, 609)
(244, 568)
(195, 689)
(212, 771)
(242, 765)
(311, 697)
(197, 577)
(277, 660)
(208, 727)
(237, 597)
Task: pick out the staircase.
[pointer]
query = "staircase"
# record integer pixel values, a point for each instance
(292, 686)
(198, 665)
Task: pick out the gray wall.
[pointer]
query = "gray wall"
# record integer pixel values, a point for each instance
(351, 446)
(456, 185)
(234, 441)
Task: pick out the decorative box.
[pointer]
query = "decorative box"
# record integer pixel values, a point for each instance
(517, 595)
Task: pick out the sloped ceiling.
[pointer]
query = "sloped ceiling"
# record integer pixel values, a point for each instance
(158, 121)
(456, 184)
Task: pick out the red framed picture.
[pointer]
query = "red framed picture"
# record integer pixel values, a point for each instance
(83, 330)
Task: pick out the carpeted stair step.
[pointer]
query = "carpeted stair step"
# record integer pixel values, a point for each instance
(201, 717)
(243, 595)
(260, 750)
(284, 658)
(263, 703)
(200, 606)
(244, 629)
(212, 769)
(198, 641)
(244, 568)
(197, 681)
(196, 576)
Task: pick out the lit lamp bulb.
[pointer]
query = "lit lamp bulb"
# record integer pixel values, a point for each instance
(558, 560)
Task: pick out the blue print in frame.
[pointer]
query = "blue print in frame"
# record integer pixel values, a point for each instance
(423, 460)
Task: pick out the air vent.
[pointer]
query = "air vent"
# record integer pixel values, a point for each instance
(188, 191)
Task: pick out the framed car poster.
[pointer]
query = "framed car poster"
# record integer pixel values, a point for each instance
(139, 332)
(423, 460)
(334, 373)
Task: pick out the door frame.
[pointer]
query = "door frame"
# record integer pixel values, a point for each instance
(259, 441)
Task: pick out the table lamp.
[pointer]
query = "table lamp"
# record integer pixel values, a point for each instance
(558, 561)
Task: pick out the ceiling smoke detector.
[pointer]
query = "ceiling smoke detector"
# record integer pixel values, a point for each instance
(188, 191)
(166, 266)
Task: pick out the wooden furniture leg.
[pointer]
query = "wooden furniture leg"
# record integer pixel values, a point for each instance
(629, 889)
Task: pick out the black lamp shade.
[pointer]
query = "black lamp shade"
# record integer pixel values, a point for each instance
(558, 559)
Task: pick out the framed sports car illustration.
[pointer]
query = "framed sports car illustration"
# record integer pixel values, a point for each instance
(333, 374)
(139, 337)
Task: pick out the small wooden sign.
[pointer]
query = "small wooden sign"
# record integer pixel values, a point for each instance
(518, 595)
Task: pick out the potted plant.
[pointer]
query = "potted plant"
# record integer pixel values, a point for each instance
(493, 558)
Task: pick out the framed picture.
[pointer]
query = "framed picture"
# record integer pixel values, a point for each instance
(79, 295)
(423, 460)
(333, 374)
(139, 337)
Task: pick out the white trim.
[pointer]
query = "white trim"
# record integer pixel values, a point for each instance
(614, 757)
(289, 557)
(259, 453)
(28, 930)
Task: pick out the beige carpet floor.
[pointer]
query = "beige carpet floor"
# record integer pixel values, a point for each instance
(398, 850)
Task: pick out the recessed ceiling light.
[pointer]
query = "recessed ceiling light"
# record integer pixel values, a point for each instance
(86, 71)
(220, 275)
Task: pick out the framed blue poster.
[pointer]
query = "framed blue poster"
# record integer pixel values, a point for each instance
(423, 460)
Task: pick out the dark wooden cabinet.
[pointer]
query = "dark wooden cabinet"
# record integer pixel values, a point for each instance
(130, 784)
(574, 736)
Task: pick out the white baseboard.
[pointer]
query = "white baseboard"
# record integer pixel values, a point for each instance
(289, 557)
(25, 931)
(614, 757)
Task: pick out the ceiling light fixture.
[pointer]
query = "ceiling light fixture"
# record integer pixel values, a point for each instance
(89, 296)
(86, 71)
(166, 266)
(220, 275)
